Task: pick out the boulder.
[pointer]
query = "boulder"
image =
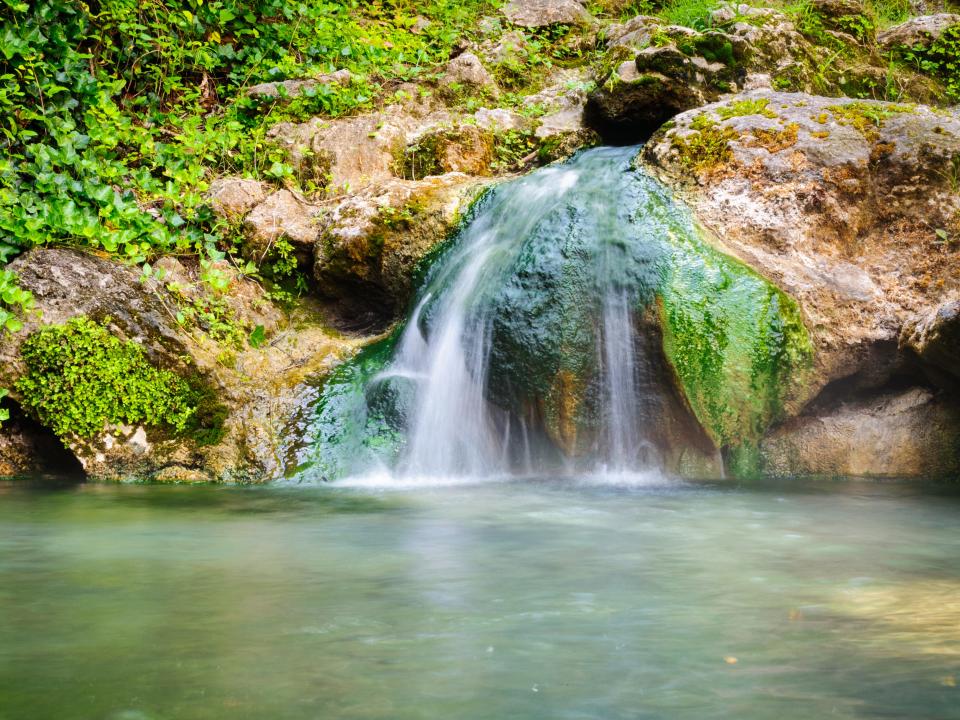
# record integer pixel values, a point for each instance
(911, 433)
(233, 197)
(371, 241)
(467, 70)
(542, 13)
(254, 391)
(934, 335)
(461, 148)
(838, 202)
(922, 31)
(281, 215)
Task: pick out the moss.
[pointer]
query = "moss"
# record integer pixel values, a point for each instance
(741, 108)
(738, 344)
(706, 148)
(867, 118)
(776, 140)
(80, 377)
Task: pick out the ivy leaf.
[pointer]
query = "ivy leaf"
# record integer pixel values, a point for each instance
(258, 337)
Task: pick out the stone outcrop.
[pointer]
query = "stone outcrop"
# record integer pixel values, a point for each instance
(908, 434)
(371, 241)
(287, 89)
(849, 206)
(542, 13)
(934, 335)
(260, 389)
(922, 31)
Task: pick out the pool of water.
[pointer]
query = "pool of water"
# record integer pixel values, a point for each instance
(534, 599)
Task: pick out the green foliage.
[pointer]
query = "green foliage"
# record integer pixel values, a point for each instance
(114, 113)
(866, 117)
(741, 108)
(940, 60)
(13, 299)
(79, 377)
(4, 413)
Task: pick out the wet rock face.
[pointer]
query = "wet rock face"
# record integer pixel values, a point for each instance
(256, 389)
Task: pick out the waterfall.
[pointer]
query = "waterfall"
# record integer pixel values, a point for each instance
(444, 353)
(577, 323)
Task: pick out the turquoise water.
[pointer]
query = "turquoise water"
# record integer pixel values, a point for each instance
(524, 599)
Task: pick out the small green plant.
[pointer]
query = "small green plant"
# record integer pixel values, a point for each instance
(13, 299)
(867, 118)
(940, 60)
(80, 378)
(4, 413)
(742, 108)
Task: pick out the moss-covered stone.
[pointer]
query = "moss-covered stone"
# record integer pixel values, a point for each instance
(80, 378)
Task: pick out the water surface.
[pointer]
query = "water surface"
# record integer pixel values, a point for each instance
(522, 599)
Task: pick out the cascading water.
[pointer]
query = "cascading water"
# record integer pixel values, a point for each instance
(534, 344)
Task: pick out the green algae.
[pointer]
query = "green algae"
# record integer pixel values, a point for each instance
(737, 343)
(359, 419)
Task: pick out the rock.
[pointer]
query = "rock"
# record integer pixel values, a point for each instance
(636, 33)
(923, 31)
(843, 15)
(934, 336)
(259, 389)
(907, 434)
(458, 149)
(467, 70)
(232, 197)
(371, 241)
(281, 215)
(836, 201)
(542, 13)
(500, 120)
(287, 89)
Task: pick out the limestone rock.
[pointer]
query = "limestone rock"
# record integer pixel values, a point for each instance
(935, 337)
(281, 215)
(462, 148)
(260, 389)
(541, 13)
(500, 120)
(371, 240)
(287, 89)
(834, 200)
(233, 197)
(466, 69)
(923, 30)
(908, 434)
